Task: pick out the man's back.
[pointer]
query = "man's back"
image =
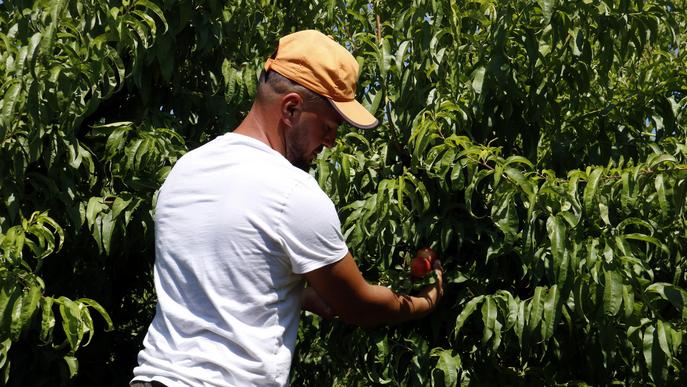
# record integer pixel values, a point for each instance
(235, 225)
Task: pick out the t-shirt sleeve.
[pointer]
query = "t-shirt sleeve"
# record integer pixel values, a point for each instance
(310, 229)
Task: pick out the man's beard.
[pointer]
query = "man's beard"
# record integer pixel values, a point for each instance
(295, 149)
(301, 163)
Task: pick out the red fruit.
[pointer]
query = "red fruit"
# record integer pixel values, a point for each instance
(427, 253)
(419, 267)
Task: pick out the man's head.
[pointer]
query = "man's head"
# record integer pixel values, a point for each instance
(320, 64)
(309, 121)
(312, 79)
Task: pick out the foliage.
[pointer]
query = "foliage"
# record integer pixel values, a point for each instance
(538, 145)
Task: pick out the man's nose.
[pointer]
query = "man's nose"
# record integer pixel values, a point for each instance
(330, 139)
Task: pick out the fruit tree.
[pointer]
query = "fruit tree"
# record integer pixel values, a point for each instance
(538, 147)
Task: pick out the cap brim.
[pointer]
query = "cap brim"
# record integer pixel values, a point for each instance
(355, 114)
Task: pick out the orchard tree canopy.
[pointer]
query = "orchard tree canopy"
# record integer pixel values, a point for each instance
(539, 146)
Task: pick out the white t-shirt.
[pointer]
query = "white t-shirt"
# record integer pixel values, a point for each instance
(235, 227)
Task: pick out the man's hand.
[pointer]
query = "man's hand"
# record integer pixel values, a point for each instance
(433, 293)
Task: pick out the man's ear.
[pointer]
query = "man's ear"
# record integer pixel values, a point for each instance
(291, 108)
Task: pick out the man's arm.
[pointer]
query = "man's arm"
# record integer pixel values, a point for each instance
(342, 287)
(312, 302)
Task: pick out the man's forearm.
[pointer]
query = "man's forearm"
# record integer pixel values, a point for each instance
(342, 287)
(389, 307)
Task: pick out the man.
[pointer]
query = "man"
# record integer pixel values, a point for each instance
(240, 225)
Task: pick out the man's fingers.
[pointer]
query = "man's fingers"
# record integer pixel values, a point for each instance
(437, 265)
(439, 270)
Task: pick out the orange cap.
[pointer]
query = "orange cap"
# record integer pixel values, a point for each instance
(317, 62)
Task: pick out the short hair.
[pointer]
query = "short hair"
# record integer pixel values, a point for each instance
(281, 85)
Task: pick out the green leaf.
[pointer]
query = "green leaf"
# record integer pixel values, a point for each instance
(229, 74)
(557, 232)
(385, 58)
(421, 191)
(518, 160)
(377, 98)
(250, 80)
(5, 346)
(655, 160)
(648, 344)
(107, 226)
(628, 300)
(503, 212)
(47, 319)
(671, 293)
(156, 10)
(654, 356)
(147, 19)
(470, 308)
(29, 305)
(72, 323)
(93, 209)
(119, 205)
(662, 338)
(448, 364)
(95, 305)
(546, 9)
(646, 238)
(13, 313)
(550, 312)
(520, 322)
(478, 79)
(400, 54)
(661, 193)
(613, 292)
(536, 308)
(330, 10)
(521, 180)
(139, 35)
(626, 199)
(32, 49)
(9, 100)
(489, 316)
(72, 365)
(590, 191)
(474, 183)
(509, 304)
(116, 141)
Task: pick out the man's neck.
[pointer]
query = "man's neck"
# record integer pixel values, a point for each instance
(263, 128)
